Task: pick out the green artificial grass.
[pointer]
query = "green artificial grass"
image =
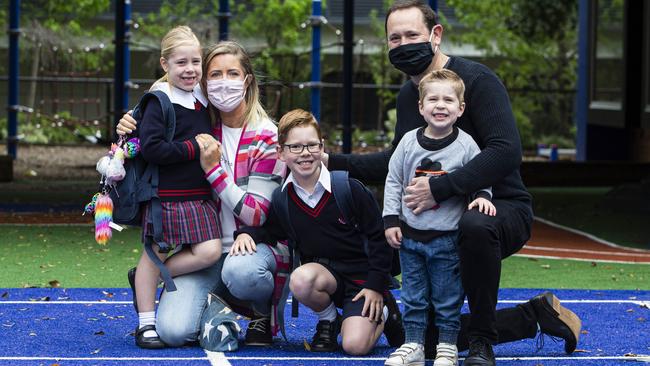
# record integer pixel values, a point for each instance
(65, 256)
(595, 211)
(68, 256)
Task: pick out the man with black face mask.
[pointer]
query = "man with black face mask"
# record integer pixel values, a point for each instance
(414, 38)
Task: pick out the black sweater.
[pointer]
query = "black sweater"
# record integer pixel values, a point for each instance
(181, 175)
(488, 119)
(322, 233)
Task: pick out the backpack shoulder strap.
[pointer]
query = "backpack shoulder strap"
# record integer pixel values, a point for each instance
(169, 115)
(343, 196)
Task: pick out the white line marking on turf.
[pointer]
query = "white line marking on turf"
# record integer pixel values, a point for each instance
(505, 301)
(604, 252)
(643, 358)
(577, 259)
(217, 358)
(592, 237)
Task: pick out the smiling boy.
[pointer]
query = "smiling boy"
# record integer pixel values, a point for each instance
(428, 241)
(336, 271)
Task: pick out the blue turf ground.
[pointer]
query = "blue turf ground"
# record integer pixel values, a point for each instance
(94, 327)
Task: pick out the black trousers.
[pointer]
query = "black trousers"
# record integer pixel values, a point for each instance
(483, 242)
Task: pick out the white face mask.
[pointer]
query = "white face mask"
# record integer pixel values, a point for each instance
(226, 94)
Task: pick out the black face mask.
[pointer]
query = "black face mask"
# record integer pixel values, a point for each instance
(412, 58)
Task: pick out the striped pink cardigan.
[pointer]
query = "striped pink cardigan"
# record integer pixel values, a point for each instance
(257, 173)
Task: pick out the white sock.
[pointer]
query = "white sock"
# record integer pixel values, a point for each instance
(148, 318)
(329, 313)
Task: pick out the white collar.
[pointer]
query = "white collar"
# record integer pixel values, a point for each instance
(324, 179)
(180, 96)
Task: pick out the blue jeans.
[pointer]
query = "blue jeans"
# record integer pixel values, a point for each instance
(431, 277)
(247, 277)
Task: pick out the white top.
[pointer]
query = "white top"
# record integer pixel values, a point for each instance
(229, 143)
(323, 184)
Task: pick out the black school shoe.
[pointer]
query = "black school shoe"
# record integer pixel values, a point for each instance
(258, 332)
(393, 328)
(556, 320)
(480, 353)
(326, 337)
(148, 342)
(131, 276)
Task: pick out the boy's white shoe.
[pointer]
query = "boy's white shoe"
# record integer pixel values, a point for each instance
(409, 354)
(446, 355)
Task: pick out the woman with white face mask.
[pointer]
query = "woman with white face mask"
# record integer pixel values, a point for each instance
(240, 162)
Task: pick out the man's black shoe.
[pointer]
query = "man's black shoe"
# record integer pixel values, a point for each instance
(393, 327)
(148, 342)
(326, 337)
(131, 275)
(556, 320)
(259, 332)
(480, 353)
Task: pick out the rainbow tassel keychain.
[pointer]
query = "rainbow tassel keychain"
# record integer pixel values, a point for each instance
(103, 219)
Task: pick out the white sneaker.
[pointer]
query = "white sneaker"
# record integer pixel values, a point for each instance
(410, 354)
(446, 355)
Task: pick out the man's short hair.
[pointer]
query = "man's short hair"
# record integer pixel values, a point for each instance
(430, 17)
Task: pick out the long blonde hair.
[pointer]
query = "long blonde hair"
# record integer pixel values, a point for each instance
(254, 112)
(178, 36)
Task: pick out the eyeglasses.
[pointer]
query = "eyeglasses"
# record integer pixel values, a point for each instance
(299, 148)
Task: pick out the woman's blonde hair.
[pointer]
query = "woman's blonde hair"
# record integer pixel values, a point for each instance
(179, 36)
(254, 112)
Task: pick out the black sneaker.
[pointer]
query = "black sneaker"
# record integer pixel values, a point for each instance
(131, 276)
(556, 320)
(393, 328)
(480, 353)
(259, 332)
(326, 337)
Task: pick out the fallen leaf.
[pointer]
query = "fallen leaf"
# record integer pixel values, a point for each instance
(95, 351)
(107, 294)
(100, 332)
(546, 266)
(581, 351)
(92, 319)
(640, 319)
(533, 259)
(630, 310)
(8, 324)
(54, 283)
(5, 295)
(584, 331)
(629, 355)
(307, 345)
(32, 334)
(594, 264)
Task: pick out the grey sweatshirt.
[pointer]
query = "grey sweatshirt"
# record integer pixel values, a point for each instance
(416, 153)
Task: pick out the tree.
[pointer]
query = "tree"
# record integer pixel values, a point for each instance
(535, 44)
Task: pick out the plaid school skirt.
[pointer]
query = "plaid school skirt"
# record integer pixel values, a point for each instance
(188, 222)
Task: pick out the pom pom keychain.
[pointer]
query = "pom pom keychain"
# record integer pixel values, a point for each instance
(103, 218)
(131, 148)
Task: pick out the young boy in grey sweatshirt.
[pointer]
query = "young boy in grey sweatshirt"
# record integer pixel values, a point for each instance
(427, 241)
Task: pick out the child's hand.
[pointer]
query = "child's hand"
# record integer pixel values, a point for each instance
(244, 243)
(485, 206)
(127, 124)
(373, 306)
(394, 236)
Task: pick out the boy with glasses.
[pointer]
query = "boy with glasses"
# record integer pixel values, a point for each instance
(336, 271)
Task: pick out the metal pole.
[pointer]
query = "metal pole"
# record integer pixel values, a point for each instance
(224, 15)
(14, 70)
(122, 58)
(582, 94)
(348, 35)
(316, 20)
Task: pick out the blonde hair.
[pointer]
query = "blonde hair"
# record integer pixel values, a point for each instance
(179, 36)
(296, 118)
(443, 75)
(254, 112)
